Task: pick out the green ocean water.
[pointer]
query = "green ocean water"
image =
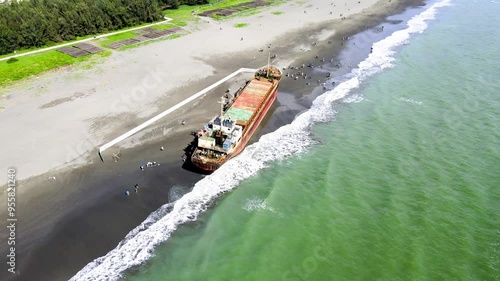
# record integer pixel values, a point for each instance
(403, 185)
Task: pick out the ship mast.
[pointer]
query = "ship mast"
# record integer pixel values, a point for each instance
(268, 64)
(222, 102)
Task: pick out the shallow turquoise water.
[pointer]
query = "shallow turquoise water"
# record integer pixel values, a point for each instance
(402, 185)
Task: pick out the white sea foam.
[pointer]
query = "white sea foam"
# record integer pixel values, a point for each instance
(256, 204)
(353, 99)
(139, 244)
(176, 192)
(410, 100)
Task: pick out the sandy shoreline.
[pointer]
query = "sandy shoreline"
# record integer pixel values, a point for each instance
(78, 110)
(102, 106)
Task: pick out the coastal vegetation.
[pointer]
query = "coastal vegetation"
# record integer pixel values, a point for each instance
(239, 25)
(243, 7)
(174, 4)
(186, 13)
(12, 60)
(138, 35)
(170, 37)
(35, 64)
(165, 26)
(30, 25)
(36, 23)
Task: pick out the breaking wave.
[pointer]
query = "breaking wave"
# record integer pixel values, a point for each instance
(356, 98)
(139, 244)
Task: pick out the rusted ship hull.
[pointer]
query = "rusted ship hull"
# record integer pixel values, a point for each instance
(247, 137)
(242, 144)
(247, 111)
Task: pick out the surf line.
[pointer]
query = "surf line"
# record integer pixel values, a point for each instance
(170, 110)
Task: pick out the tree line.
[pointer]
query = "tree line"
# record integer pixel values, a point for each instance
(35, 23)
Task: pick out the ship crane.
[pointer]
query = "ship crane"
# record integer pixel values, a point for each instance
(222, 104)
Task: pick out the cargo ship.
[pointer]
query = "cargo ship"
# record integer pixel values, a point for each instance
(227, 134)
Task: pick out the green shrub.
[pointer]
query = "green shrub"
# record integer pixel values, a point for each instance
(12, 60)
(240, 25)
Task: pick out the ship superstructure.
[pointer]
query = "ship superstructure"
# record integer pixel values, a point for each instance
(227, 134)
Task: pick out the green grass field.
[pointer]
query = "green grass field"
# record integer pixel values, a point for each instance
(48, 45)
(28, 66)
(117, 37)
(173, 36)
(104, 42)
(164, 26)
(184, 13)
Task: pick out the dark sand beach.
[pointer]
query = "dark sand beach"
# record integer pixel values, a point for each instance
(83, 214)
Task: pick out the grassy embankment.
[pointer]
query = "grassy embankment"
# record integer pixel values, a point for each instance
(244, 12)
(184, 16)
(117, 37)
(46, 46)
(114, 38)
(31, 65)
(35, 64)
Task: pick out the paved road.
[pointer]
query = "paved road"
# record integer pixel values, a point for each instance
(84, 40)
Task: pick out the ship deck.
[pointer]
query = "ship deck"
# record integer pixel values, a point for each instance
(247, 103)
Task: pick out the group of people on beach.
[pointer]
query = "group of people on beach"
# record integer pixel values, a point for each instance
(142, 167)
(149, 164)
(136, 189)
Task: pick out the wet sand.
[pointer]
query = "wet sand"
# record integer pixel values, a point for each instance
(84, 213)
